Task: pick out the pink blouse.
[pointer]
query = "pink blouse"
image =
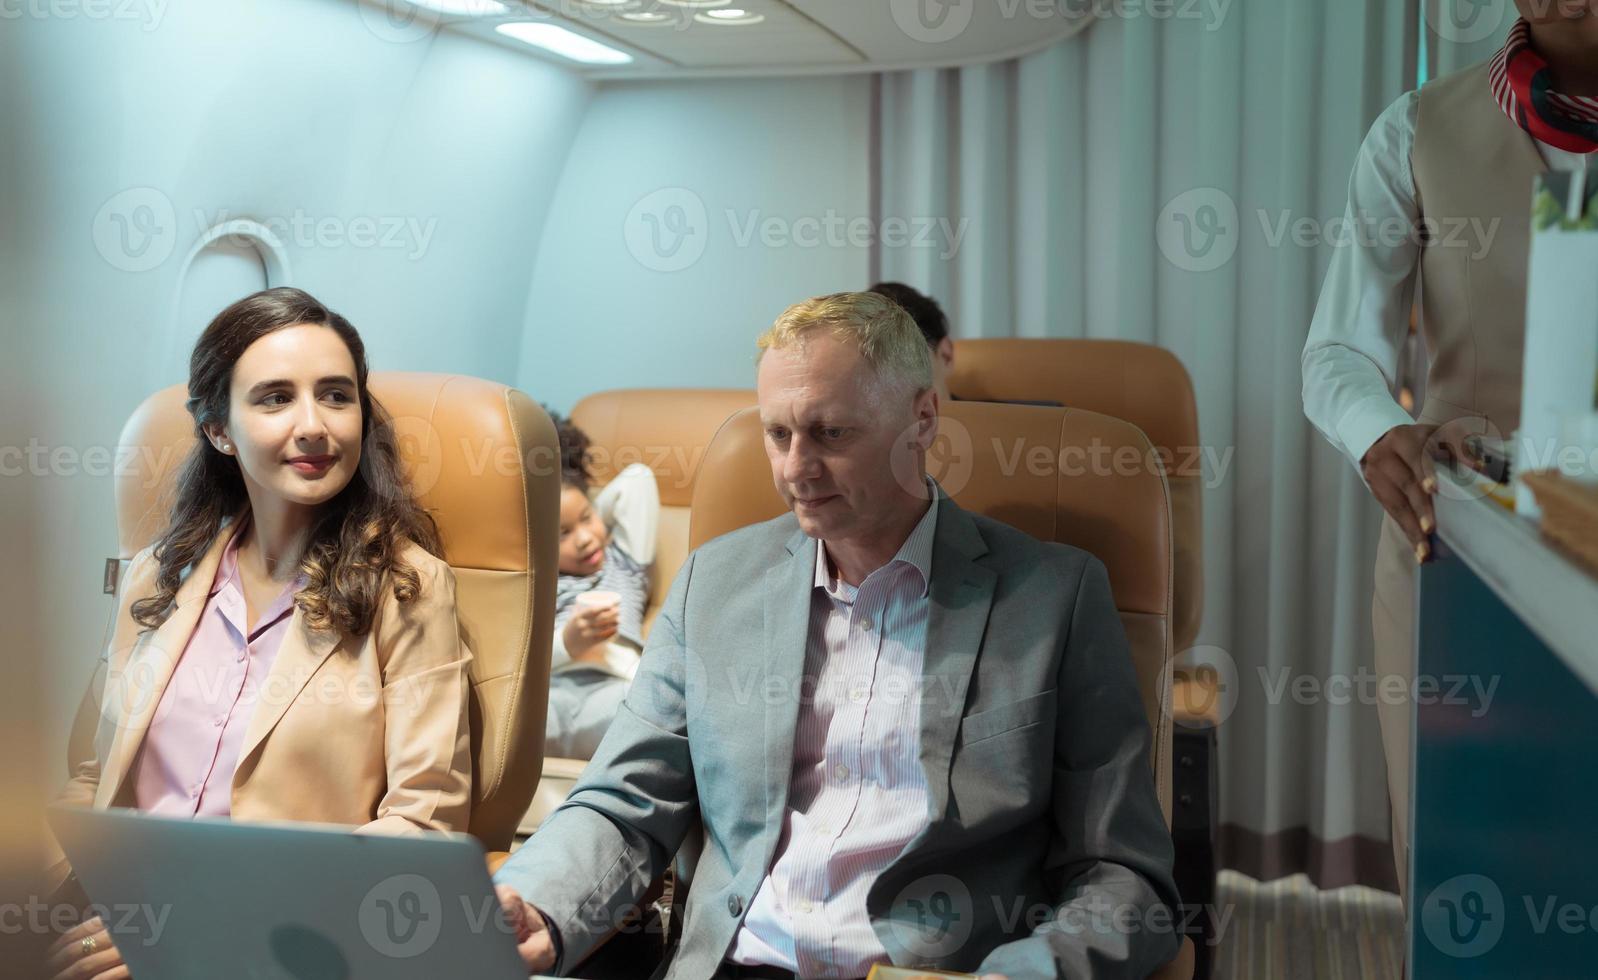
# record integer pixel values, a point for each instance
(185, 766)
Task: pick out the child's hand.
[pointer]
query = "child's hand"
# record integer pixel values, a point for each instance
(587, 630)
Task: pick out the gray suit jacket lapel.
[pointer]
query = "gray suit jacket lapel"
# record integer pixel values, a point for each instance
(961, 595)
(788, 586)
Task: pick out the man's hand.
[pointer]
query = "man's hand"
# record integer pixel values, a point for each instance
(588, 628)
(68, 960)
(1400, 477)
(533, 941)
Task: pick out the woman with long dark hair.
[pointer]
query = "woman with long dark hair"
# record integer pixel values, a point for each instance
(288, 648)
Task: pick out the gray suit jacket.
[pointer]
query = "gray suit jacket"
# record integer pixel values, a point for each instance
(1046, 854)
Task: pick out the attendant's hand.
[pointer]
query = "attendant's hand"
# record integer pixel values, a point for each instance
(1399, 475)
(588, 628)
(68, 959)
(533, 941)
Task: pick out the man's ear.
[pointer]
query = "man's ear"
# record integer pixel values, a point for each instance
(946, 353)
(219, 438)
(926, 416)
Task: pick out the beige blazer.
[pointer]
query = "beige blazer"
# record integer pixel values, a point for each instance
(368, 731)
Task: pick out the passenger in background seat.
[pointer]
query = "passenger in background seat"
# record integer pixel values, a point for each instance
(607, 544)
(934, 326)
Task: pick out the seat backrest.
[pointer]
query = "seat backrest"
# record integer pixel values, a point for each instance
(1058, 474)
(1141, 383)
(482, 458)
(668, 430)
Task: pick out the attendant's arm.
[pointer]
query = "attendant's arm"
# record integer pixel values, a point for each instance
(1351, 357)
(426, 694)
(1111, 854)
(630, 506)
(598, 853)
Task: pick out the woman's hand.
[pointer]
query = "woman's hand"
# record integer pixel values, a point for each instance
(588, 628)
(85, 952)
(1400, 477)
(533, 941)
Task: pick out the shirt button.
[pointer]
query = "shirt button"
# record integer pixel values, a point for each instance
(735, 905)
(218, 722)
(841, 771)
(805, 908)
(865, 624)
(857, 695)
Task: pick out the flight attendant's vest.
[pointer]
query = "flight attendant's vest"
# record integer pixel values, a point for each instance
(1473, 175)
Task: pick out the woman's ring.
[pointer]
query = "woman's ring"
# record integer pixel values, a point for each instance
(89, 945)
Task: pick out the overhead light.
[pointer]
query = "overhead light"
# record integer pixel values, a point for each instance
(729, 15)
(462, 8)
(697, 4)
(608, 3)
(646, 17)
(567, 44)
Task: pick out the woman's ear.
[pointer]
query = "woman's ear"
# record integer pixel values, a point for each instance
(219, 438)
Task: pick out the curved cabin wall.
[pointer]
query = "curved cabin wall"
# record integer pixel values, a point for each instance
(407, 178)
(689, 216)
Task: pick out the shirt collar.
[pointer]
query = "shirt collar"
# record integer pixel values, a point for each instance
(916, 551)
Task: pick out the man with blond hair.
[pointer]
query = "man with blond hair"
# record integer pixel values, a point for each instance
(910, 734)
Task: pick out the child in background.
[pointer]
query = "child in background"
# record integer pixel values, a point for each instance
(607, 544)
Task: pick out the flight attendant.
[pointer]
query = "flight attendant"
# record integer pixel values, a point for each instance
(288, 648)
(1456, 158)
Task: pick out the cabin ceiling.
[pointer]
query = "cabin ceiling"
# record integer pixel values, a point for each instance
(793, 37)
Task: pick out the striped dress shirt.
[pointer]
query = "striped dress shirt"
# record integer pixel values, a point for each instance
(857, 794)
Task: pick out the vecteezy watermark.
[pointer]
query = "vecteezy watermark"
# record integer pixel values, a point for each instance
(407, 233)
(402, 916)
(953, 456)
(668, 229)
(137, 676)
(37, 459)
(137, 229)
(1199, 230)
(1365, 230)
(691, 687)
(1465, 916)
(934, 916)
(1209, 681)
(940, 21)
(148, 14)
(126, 922)
(1365, 686)
(1467, 21)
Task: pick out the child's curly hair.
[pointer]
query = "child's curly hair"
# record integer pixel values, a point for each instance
(574, 445)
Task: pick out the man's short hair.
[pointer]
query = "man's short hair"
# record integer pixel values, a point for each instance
(923, 309)
(885, 334)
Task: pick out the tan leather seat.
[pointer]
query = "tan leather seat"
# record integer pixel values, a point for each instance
(668, 430)
(482, 459)
(1143, 384)
(1121, 514)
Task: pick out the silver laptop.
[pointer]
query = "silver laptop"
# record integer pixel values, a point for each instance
(209, 898)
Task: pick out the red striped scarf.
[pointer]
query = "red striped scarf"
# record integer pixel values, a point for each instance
(1522, 87)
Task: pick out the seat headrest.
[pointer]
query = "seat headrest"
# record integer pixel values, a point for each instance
(1059, 474)
(666, 429)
